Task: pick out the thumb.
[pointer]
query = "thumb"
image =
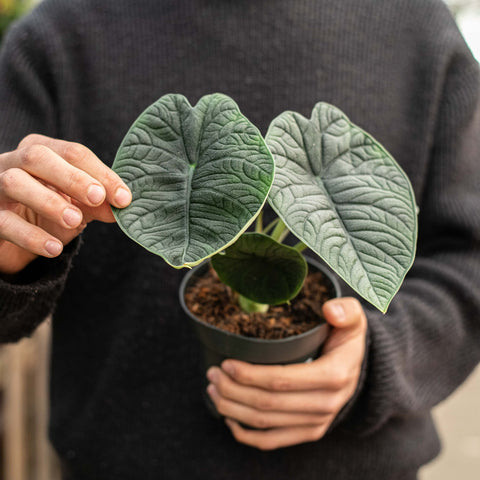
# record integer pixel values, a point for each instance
(344, 312)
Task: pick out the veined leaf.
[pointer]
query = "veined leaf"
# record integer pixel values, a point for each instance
(199, 176)
(261, 269)
(342, 194)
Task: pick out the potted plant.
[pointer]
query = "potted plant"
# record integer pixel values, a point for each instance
(200, 176)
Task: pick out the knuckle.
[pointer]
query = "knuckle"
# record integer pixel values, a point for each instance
(221, 406)
(242, 376)
(111, 179)
(30, 139)
(260, 421)
(264, 401)
(339, 376)
(73, 179)
(333, 404)
(4, 220)
(280, 384)
(9, 180)
(31, 241)
(317, 433)
(54, 203)
(341, 379)
(33, 154)
(76, 151)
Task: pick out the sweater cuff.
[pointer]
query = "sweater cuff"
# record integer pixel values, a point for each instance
(28, 297)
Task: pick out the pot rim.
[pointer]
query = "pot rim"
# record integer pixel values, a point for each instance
(279, 341)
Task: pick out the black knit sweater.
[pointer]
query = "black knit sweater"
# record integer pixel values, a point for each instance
(126, 384)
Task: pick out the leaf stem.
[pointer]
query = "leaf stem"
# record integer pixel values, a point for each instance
(279, 229)
(283, 235)
(300, 247)
(270, 225)
(250, 306)
(259, 222)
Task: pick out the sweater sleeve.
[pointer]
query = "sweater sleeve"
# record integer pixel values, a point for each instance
(428, 343)
(27, 105)
(30, 296)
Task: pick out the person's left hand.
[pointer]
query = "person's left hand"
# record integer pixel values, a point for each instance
(292, 404)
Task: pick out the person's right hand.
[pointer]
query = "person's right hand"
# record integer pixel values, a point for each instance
(49, 190)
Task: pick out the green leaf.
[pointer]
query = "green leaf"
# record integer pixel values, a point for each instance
(261, 269)
(199, 176)
(341, 193)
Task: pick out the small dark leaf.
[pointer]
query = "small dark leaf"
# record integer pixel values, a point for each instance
(261, 269)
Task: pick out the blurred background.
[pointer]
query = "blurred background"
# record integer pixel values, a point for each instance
(25, 453)
(12, 9)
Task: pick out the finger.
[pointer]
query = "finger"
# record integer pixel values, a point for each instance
(319, 402)
(344, 312)
(117, 192)
(18, 186)
(276, 437)
(11, 256)
(261, 418)
(319, 374)
(102, 213)
(350, 326)
(43, 163)
(15, 229)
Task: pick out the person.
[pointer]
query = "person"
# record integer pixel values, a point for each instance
(125, 383)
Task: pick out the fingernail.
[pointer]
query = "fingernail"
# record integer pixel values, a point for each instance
(211, 390)
(72, 217)
(228, 367)
(122, 197)
(212, 374)
(53, 248)
(95, 194)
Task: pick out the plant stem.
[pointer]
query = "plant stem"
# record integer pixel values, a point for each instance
(270, 225)
(250, 306)
(283, 235)
(259, 222)
(279, 229)
(300, 247)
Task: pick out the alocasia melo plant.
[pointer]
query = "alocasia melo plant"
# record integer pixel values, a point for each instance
(201, 175)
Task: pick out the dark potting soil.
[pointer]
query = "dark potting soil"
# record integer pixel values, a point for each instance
(214, 303)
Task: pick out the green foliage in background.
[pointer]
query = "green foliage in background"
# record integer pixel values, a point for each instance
(10, 10)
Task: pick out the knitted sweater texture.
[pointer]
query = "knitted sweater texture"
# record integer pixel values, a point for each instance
(126, 384)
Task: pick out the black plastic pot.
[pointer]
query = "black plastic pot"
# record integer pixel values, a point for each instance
(219, 344)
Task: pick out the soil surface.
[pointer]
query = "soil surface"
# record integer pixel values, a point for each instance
(214, 303)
